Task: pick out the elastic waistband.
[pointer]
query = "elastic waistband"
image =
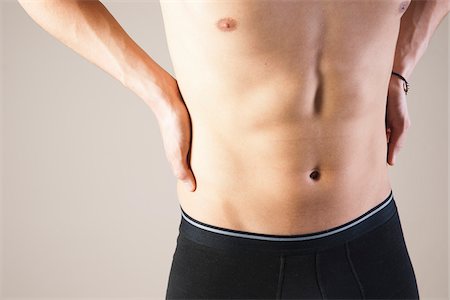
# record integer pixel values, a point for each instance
(230, 239)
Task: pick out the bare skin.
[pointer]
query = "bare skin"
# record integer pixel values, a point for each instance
(279, 93)
(284, 114)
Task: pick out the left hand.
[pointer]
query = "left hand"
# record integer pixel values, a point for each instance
(397, 119)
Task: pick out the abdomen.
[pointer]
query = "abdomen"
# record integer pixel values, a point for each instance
(294, 88)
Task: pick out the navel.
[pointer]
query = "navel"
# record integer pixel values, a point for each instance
(315, 174)
(226, 24)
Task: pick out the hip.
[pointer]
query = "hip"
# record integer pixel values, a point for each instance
(282, 204)
(364, 258)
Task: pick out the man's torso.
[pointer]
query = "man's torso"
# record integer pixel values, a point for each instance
(276, 90)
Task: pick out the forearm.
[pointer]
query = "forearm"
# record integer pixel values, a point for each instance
(89, 29)
(418, 24)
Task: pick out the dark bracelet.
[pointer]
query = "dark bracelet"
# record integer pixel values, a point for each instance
(405, 82)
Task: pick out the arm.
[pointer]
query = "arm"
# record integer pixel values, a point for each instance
(89, 29)
(417, 26)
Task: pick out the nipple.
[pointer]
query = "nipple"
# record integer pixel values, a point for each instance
(315, 174)
(227, 24)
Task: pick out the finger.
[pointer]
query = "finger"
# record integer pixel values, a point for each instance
(388, 135)
(184, 173)
(191, 174)
(396, 141)
(191, 184)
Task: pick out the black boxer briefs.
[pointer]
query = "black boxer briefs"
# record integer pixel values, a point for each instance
(365, 258)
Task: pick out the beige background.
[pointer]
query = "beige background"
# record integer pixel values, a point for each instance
(88, 201)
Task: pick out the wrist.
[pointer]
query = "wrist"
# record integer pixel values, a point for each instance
(146, 79)
(159, 90)
(398, 81)
(405, 68)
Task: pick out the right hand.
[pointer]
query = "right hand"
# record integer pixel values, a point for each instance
(175, 125)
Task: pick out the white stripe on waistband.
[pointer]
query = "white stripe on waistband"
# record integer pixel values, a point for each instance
(301, 238)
